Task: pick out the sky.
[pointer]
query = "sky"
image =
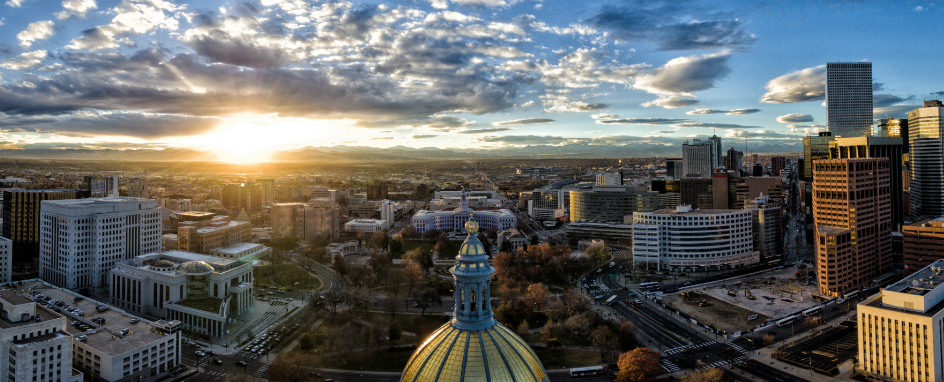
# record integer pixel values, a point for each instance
(241, 78)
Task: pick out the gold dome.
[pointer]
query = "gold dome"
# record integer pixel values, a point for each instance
(495, 354)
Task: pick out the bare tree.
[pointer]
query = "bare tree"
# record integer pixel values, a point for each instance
(426, 297)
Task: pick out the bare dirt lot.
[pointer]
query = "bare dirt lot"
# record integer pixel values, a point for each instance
(719, 314)
(776, 293)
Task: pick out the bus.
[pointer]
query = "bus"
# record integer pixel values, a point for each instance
(611, 300)
(786, 321)
(774, 262)
(851, 294)
(812, 311)
(648, 285)
(586, 371)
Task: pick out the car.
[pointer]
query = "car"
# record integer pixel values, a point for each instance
(241, 363)
(82, 338)
(248, 348)
(217, 361)
(200, 353)
(135, 320)
(255, 349)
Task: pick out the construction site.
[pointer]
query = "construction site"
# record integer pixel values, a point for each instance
(744, 303)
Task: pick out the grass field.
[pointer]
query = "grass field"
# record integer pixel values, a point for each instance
(396, 359)
(284, 274)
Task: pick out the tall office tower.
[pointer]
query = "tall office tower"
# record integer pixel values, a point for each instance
(387, 212)
(926, 138)
(82, 239)
(777, 164)
(696, 160)
(268, 191)
(852, 214)
(102, 186)
(247, 197)
(21, 223)
(284, 218)
(849, 98)
(137, 187)
(900, 329)
(734, 161)
(377, 190)
(877, 147)
(758, 170)
(815, 147)
(322, 222)
(768, 236)
(421, 191)
(673, 168)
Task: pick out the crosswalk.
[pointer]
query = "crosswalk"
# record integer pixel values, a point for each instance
(669, 366)
(738, 348)
(688, 347)
(723, 363)
(214, 375)
(261, 372)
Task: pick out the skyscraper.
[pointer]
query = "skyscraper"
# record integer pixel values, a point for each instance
(849, 98)
(244, 196)
(852, 213)
(21, 223)
(777, 164)
(734, 161)
(926, 138)
(268, 190)
(701, 157)
(877, 147)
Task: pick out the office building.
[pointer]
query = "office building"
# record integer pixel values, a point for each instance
(926, 138)
(83, 239)
(547, 204)
(610, 179)
(701, 157)
(268, 190)
(852, 214)
(894, 127)
(305, 221)
(748, 189)
(377, 190)
(611, 203)
(238, 197)
(365, 225)
(922, 243)
(121, 347)
(815, 147)
(777, 164)
(34, 342)
(734, 161)
(767, 228)
(900, 332)
(206, 235)
(388, 212)
(449, 220)
(6, 260)
(21, 223)
(284, 217)
(101, 186)
(203, 292)
(242, 251)
(137, 187)
(673, 168)
(849, 98)
(620, 233)
(685, 239)
(878, 147)
(474, 199)
(514, 238)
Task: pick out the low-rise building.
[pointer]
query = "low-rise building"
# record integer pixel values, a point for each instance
(204, 236)
(344, 249)
(34, 341)
(365, 225)
(242, 251)
(900, 335)
(514, 238)
(203, 292)
(448, 220)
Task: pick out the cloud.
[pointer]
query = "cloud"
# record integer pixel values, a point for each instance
(671, 102)
(525, 140)
(129, 124)
(481, 3)
(920, 9)
(895, 111)
(794, 118)
(673, 26)
(641, 121)
(883, 100)
(485, 130)
(39, 30)
(710, 125)
(562, 103)
(684, 75)
(526, 121)
(131, 17)
(424, 136)
(93, 39)
(76, 8)
(25, 60)
(16, 3)
(800, 86)
(604, 116)
(728, 112)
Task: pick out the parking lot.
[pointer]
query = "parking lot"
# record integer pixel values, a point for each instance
(824, 351)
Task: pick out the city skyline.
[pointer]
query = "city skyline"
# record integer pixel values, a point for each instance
(239, 79)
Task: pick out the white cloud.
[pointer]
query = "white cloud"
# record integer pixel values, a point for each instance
(25, 60)
(16, 3)
(39, 30)
(800, 86)
(481, 3)
(526, 121)
(794, 118)
(604, 116)
(132, 17)
(920, 9)
(78, 8)
(671, 102)
(684, 75)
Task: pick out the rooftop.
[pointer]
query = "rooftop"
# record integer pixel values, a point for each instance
(922, 281)
(181, 257)
(41, 311)
(690, 211)
(13, 297)
(231, 224)
(237, 248)
(831, 231)
(207, 304)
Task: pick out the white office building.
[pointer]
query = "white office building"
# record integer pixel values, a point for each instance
(926, 140)
(682, 238)
(365, 225)
(34, 342)
(849, 98)
(701, 157)
(81, 240)
(474, 199)
(201, 291)
(454, 220)
(387, 210)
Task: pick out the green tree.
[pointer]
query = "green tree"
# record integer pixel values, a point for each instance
(534, 239)
(306, 343)
(394, 332)
(340, 265)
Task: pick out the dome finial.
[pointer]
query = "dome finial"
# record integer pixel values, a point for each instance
(471, 226)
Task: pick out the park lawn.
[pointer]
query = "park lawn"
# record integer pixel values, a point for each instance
(558, 358)
(412, 322)
(284, 274)
(375, 360)
(409, 245)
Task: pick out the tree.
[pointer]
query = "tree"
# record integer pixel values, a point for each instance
(505, 246)
(626, 336)
(289, 367)
(638, 365)
(421, 257)
(536, 297)
(598, 253)
(524, 328)
(603, 339)
(713, 374)
(396, 247)
(394, 332)
(769, 339)
(427, 297)
(534, 239)
(392, 305)
(340, 265)
(381, 239)
(412, 274)
(306, 343)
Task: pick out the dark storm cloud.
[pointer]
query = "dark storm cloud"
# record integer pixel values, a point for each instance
(147, 126)
(883, 100)
(424, 136)
(671, 28)
(220, 47)
(941, 93)
(709, 125)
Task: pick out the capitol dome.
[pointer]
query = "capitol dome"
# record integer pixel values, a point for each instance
(473, 346)
(195, 268)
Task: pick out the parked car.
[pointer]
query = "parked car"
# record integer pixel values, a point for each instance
(200, 353)
(241, 363)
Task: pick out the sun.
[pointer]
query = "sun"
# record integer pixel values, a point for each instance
(253, 140)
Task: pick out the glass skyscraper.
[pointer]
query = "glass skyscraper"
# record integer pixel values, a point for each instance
(849, 98)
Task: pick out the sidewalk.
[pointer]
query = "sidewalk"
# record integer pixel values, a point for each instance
(763, 355)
